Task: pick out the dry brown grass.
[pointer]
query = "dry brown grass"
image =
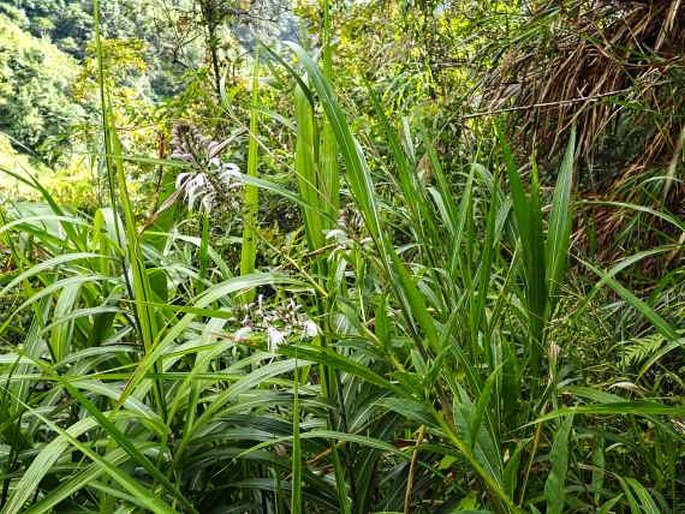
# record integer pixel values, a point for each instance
(614, 68)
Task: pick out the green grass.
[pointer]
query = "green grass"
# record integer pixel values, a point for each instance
(443, 376)
(251, 196)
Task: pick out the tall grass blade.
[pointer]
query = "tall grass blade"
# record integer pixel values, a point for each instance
(559, 232)
(146, 322)
(329, 178)
(305, 167)
(248, 252)
(529, 223)
(296, 491)
(140, 494)
(555, 484)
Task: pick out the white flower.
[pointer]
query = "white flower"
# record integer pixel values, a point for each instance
(213, 148)
(216, 183)
(310, 328)
(229, 172)
(242, 333)
(181, 156)
(196, 187)
(181, 179)
(337, 233)
(275, 338)
(207, 202)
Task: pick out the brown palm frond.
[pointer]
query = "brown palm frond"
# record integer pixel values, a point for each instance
(590, 50)
(616, 70)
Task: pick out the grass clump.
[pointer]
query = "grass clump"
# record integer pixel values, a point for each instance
(423, 342)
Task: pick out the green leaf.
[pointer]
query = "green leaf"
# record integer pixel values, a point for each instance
(296, 493)
(555, 493)
(248, 253)
(559, 231)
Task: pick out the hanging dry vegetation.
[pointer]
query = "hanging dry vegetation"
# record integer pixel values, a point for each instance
(614, 68)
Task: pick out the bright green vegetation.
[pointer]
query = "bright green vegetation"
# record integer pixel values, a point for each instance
(323, 281)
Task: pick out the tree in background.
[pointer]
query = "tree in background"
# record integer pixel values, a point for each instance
(36, 109)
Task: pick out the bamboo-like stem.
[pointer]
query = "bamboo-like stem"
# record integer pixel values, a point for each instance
(412, 470)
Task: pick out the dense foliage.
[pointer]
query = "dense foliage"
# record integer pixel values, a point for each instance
(341, 257)
(35, 106)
